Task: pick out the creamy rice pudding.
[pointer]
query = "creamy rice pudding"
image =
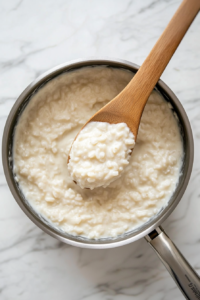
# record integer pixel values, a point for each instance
(43, 137)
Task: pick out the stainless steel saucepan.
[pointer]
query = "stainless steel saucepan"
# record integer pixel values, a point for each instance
(184, 275)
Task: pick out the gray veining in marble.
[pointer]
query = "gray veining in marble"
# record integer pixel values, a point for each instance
(37, 35)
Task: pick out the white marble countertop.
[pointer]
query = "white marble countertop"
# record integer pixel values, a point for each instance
(37, 35)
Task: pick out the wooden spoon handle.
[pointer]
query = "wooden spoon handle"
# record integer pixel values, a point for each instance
(160, 55)
(139, 89)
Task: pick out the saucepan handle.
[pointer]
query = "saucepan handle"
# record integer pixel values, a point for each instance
(183, 274)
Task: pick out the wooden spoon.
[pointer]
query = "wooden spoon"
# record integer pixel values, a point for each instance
(127, 107)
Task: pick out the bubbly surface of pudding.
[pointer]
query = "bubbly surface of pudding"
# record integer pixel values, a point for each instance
(43, 137)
